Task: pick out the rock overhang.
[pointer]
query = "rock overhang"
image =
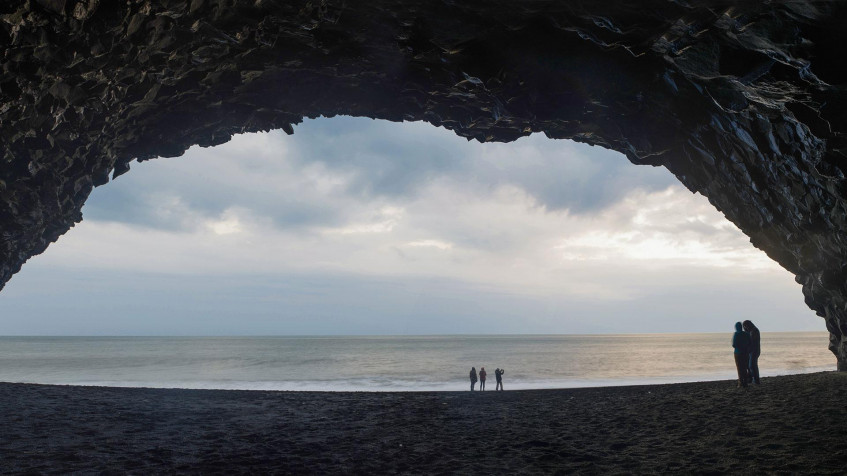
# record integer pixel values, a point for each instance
(744, 103)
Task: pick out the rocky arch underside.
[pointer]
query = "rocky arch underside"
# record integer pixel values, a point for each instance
(743, 103)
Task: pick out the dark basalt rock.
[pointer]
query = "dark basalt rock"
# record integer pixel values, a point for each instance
(743, 103)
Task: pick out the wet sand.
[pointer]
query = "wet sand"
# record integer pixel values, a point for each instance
(787, 425)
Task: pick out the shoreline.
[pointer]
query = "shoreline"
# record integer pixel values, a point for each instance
(789, 424)
(514, 386)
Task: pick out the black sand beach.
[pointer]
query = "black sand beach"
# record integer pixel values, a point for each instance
(788, 425)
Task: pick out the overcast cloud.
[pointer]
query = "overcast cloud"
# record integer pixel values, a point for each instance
(354, 226)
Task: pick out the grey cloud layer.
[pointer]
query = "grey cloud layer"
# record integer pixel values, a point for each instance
(363, 161)
(390, 159)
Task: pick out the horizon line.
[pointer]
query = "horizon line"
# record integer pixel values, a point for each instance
(404, 335)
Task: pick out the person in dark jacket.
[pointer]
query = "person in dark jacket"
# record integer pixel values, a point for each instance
(482, 374)
(498, 374)
(755, 351)
(741, 344)
(473, 377)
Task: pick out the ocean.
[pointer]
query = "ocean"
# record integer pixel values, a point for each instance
(407, 363)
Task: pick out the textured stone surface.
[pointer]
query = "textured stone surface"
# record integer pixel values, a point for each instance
(744, 104)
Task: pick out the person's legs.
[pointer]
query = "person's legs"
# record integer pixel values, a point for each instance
(741, 366)
(749, 368)
(754, 367)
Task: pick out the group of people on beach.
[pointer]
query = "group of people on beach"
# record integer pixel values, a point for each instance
(746, 342)
(498, 375)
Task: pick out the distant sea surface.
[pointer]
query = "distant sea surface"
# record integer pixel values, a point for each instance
(397, 363)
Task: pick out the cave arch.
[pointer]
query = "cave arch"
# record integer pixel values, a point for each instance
(743, 104)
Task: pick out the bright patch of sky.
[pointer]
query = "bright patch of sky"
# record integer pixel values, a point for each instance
(354, 226)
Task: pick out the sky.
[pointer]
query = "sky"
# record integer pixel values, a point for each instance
(353, 226)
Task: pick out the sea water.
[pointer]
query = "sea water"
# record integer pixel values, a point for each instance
(409, 363)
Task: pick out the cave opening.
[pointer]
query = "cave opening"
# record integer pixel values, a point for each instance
(363, 227)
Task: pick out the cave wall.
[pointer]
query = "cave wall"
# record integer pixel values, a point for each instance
(743, 103)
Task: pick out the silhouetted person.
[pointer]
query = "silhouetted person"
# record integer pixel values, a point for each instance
(482, 374)
(755, 350)
(498, 374)
(473, 377)
(741, 344)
